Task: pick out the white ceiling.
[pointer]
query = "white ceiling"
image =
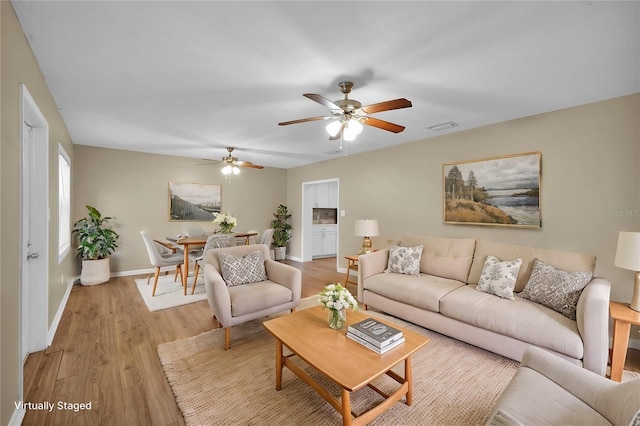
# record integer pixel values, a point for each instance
(190, 78)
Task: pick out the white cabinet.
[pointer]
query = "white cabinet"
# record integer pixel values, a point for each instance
(326, 195)
(324, 241)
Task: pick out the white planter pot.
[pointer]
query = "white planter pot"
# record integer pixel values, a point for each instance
(280, 253)
(95, 272)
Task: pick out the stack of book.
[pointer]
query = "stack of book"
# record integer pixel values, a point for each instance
(375, 335)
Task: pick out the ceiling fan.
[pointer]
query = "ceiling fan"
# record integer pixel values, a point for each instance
(230, 163)
(348, 115)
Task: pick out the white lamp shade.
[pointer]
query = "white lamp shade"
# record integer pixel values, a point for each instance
(628, 251)
(366, 228)
(333, 128)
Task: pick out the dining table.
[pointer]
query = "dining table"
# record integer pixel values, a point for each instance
(191, 243)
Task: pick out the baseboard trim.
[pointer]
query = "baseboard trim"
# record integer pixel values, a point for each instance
(56, 320)
(17, 417)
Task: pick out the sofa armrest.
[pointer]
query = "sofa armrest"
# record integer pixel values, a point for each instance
(617, 402)
(371, 264)
(592, 316)
(285, 275)
(217, 294)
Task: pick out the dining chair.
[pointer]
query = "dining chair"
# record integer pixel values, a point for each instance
(243, 285)
(161, 256)
(213, 241)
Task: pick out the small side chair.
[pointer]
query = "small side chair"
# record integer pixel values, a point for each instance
(235, 304)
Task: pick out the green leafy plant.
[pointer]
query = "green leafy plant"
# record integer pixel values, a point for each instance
(96, 240)
(281, 226)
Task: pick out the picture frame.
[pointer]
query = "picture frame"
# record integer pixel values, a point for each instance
(498, 191)
(194, 202)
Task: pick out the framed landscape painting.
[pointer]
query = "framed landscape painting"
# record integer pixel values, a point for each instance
(503, 191)
(194, 201)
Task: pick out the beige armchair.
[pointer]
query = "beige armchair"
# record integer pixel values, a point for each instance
(236, 304)
(548, 390)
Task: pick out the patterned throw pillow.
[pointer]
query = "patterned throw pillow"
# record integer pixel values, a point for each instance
(404, 260)
(242, 270)
(499, 278)
(555, 288)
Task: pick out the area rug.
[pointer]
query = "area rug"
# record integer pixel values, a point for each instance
(454, 383)
(169, 293)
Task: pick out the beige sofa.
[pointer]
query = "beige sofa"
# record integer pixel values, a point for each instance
(443, 298)
(548, 391)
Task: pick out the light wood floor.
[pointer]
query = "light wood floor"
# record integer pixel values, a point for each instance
(104, 351)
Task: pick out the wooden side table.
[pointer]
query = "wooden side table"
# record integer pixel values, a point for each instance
(623, 316)
(353, 266)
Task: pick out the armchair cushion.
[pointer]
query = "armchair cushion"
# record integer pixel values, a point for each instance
(255, 297)
(238, 270)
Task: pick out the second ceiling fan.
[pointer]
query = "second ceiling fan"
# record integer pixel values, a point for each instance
(348, 115)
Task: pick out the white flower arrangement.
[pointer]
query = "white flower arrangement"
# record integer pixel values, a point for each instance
(225, 220)
(336, 297)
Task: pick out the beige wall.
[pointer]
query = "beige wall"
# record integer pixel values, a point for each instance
(19, 66)
(590, 183)
(132, 187)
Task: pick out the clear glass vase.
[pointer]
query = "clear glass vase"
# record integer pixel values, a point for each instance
(337, 318)
(225, 229)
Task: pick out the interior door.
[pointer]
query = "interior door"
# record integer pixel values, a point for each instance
(34, 230)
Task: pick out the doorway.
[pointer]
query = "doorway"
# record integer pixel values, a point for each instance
(34, 227)
(309, 198)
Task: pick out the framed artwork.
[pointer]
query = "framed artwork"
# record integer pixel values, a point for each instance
(196, 202)
(503, 191)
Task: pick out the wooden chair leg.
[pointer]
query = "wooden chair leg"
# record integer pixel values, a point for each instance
(227, 338)
(175, 278)
(196, 269)
(155, 281)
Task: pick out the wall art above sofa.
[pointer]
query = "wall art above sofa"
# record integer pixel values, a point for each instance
(503, 191)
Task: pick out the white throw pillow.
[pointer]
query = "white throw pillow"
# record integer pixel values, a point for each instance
(404, 260)
(499, 277)
(242, 270)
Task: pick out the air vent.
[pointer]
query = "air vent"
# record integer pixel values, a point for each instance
(442, 126)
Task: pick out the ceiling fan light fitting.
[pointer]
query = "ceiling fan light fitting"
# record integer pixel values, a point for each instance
(442, 126)
(333, 128)
(355, 126)
(226, 170)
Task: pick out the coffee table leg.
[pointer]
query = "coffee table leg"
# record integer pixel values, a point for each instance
(278, 364)
(407, 377)
(346, 408)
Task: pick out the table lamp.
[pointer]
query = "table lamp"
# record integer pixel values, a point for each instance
(628, 257)
(366, 228)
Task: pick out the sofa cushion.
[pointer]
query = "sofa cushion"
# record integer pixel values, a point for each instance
(424, 291)
(499, 277)
(566, 260)
(404, 260)
(520, 318)
(254, 297)
(237, 270)
(555, 288)
(444, 257)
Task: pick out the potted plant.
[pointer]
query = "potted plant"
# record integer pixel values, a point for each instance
(97, 242)
(281, 231)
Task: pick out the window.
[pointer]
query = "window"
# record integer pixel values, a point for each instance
(64, 203)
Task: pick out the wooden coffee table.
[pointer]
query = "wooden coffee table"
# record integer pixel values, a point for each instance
(345, 362)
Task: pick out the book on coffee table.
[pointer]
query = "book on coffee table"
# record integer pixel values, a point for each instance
(373, 347)
(375, 332)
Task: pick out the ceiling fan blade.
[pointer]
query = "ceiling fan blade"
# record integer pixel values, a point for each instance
(302, 120)
(248, 164)
(386, 106)
(322, 100)
(384, 125)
